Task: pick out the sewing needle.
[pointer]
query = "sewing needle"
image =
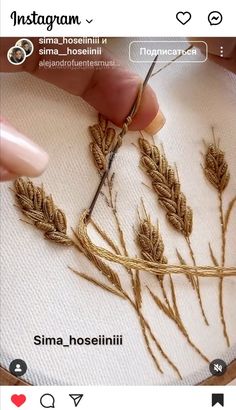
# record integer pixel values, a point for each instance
(113, 153)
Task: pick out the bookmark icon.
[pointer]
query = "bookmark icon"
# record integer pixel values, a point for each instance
(217, 398)
(77, 398)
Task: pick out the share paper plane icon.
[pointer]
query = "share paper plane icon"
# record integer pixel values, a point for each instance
(77, 398)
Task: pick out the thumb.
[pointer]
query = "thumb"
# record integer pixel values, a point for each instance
(100, 80)
(113, 92)
(19, 155)
(110, 90)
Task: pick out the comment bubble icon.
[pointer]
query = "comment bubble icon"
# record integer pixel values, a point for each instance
(47, 401)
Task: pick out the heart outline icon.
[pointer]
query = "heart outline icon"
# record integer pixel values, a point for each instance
(183, 17)
(18, 399)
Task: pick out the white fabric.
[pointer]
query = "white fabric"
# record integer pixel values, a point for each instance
(40, 295)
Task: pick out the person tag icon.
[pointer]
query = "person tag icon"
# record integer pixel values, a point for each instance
(18, 367)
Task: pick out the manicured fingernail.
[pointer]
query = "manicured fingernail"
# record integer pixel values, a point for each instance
(156, 124)
(5, 175)
(20, 155)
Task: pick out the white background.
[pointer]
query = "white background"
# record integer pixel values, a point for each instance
(123, 18)
(117, 398)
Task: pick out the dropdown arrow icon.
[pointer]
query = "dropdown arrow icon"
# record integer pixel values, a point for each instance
(89, 21)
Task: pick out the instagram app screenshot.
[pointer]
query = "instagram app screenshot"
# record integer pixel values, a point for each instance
(118, 205)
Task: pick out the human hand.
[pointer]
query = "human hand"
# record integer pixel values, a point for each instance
(110, 91)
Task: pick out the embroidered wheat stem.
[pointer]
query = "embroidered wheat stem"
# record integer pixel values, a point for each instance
(197, 285)
(216, 171)
(167, 187)
(119, 291)
(152, 249)
(151, 246)
(44, 214)
(25, 192)
(145, 327)
(135, 280)
(136, 285)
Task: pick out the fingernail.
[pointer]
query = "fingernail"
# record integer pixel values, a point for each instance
(5, 175)
(20, 155)
(156, 124)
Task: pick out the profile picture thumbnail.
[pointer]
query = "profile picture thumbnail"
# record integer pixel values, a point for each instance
(20, 51)
(16, 55)
(27, 45)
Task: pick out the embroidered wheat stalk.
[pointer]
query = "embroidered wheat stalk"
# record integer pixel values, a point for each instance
(45, 216)
(217, 173)
(111, 201)
(152, 248)
(103, 142)
(167, 187)
(41, 210)
(136, 305)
